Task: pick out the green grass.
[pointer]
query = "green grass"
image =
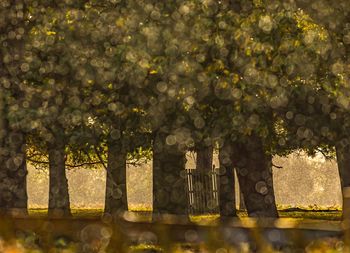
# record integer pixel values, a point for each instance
(305, 214)
(78, 212)
(320, 215)
(145, 248)
(296, 213)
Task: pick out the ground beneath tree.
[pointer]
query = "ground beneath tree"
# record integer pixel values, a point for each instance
(295, 212)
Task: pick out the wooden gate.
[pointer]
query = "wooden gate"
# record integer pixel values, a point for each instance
(202, 189)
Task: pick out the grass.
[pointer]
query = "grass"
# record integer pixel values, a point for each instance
(145, 248)
(296, 213)
(76, 212)
(305, 214)
(145, 214)
(204, 218)
(140, 208)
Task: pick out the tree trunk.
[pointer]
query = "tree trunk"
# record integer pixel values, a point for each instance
(169, 195)
(59, 204)
(204, 160)
(227, 200)
(13, 184)
(343, 160)
(116, 195)
(13, 169)
(5, 194)
(254, 171)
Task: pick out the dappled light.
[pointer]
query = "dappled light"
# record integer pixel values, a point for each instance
(174, 126)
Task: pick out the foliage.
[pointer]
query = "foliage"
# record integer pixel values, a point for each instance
(201, 71)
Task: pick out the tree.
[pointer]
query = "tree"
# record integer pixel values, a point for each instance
(154, 58)
(169, 194)
(13, 29)
(227, 200)
(54, 110)
(330, 95)
(256, 58)
(98, 81)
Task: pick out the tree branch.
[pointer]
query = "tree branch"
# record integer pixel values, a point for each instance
(327, 157)
(277, 166)
(66, 165)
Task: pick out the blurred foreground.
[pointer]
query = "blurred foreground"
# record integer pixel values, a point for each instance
(134, 232)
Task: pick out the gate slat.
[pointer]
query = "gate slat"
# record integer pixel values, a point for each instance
(202, 190)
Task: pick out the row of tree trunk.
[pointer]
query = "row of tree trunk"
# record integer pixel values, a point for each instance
(169, 179)
(254, 170)
(253, 166)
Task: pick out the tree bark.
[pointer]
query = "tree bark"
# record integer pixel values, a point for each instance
(254, 171)
(169, 195)
(204, 161)
(5, 195)
(227, 200)
(59, 203)
(13, 167)
(343, 161)
(13, 185)
(116, 193)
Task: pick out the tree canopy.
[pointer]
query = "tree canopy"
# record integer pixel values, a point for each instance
(87, 74)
